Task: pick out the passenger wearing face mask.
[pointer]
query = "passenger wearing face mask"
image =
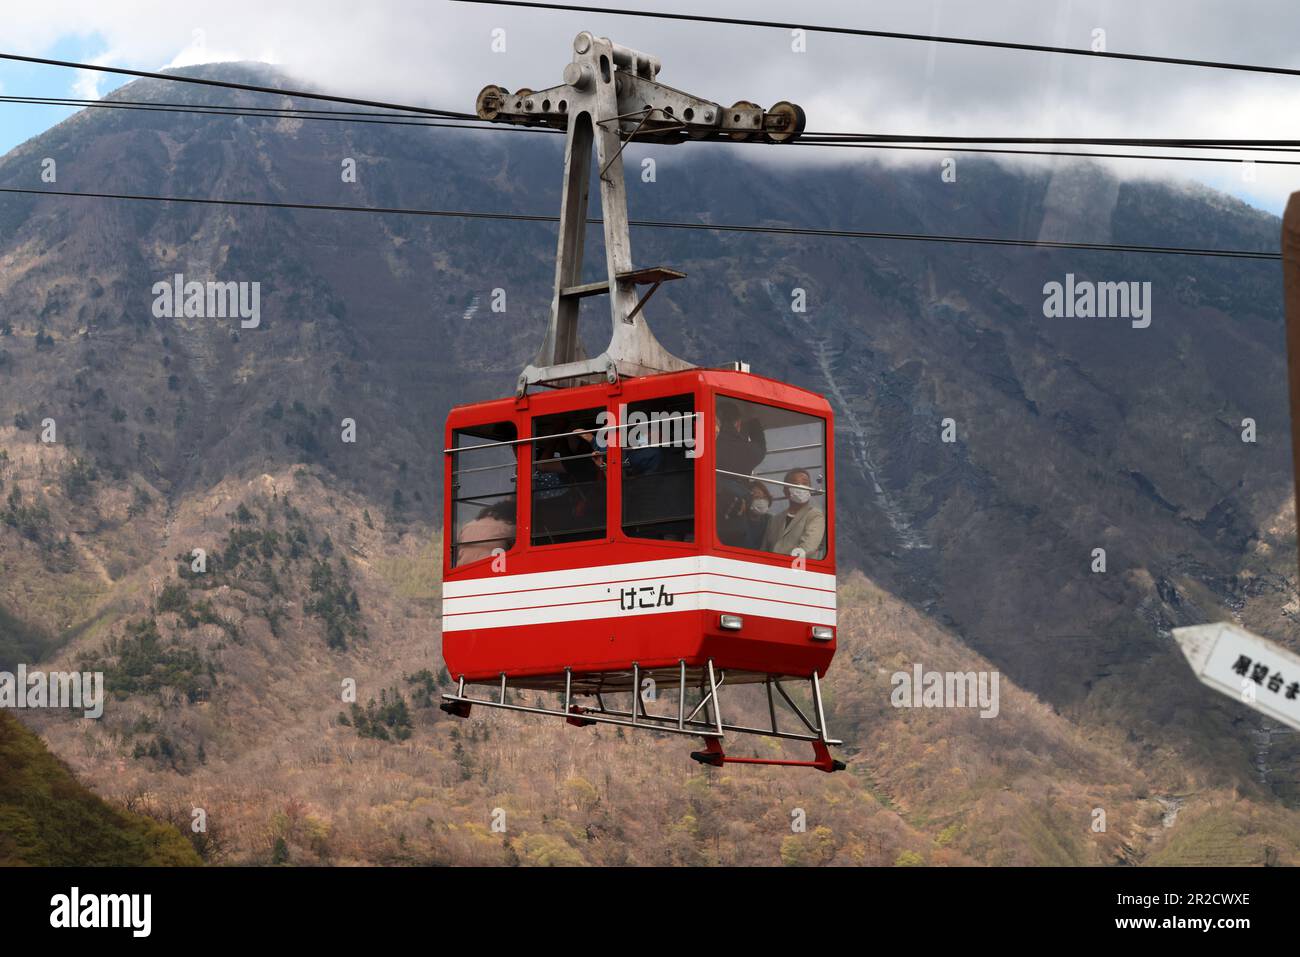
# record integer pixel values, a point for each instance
(802, 525)
(759, 510)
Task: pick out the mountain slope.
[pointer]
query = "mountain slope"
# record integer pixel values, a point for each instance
(226, 695)
(47, 819)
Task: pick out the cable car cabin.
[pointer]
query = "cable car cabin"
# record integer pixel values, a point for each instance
(663, 524)
(677, 527)
(597, 528)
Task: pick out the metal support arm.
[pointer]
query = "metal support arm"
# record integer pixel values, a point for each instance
(608, 98)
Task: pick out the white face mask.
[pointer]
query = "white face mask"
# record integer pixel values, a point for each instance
(799, 495)
(760, 506)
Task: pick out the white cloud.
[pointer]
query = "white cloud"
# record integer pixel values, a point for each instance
(438, 54)
(89, 84)
(85, 85)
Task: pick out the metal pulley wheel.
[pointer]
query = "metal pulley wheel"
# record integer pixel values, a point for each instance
(794, 118)
(741, 135)
(490, 100)
(521, 97)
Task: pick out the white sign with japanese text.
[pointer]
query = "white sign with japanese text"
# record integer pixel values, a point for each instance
(1259, 673)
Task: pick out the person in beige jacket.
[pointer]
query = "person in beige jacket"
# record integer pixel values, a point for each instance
(801, 526)
(493, 528)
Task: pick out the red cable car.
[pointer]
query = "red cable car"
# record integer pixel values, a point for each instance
(628, 521)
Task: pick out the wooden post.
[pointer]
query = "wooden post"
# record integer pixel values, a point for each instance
(1291, 287)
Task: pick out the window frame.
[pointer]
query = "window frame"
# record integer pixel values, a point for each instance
(611, 496)
(827, 561)
(450, 529)
(691, 395)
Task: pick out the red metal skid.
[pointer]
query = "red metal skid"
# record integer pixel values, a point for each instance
(714, 755)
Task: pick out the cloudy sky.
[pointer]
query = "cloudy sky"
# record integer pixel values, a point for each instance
(439, 53)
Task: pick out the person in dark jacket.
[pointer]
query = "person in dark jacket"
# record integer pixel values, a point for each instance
(569, 486)
(740, 447)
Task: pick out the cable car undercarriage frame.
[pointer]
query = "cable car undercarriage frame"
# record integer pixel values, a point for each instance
(712, 728)
(610, 97)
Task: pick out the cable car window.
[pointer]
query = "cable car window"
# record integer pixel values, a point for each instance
(657, 437)
(568, 478)
(484, 483)
(771, 478)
